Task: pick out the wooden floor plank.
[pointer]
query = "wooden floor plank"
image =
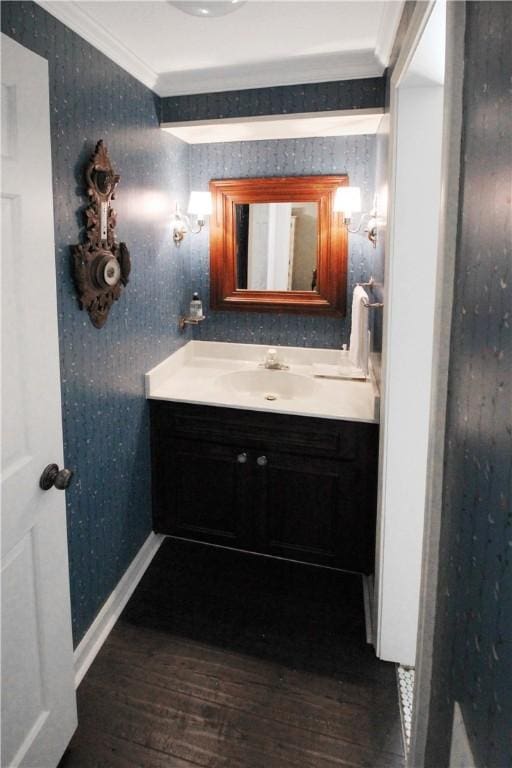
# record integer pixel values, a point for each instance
(104, 750)
(299, 708)
(191, 661)
(211, 735)
(225, 661)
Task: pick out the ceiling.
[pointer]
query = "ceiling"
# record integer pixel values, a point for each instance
(264, 43)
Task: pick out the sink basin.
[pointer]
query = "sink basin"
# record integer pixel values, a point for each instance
(269, 385)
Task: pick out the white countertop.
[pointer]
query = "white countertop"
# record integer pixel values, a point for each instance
(198, 373)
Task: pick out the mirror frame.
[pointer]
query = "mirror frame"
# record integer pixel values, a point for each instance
(330, 297)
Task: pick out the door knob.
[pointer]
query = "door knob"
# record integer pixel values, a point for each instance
(242, 458)
(53, 476)
(262, 461)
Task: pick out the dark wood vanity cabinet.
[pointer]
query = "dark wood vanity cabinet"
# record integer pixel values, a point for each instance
(295, 487)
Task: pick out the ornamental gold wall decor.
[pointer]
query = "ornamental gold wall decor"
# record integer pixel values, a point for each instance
(101, 264)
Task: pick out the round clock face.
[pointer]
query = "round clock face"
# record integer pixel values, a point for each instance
(111, 272)
(106, 271)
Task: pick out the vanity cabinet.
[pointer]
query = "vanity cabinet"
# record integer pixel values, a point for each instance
(295, 487)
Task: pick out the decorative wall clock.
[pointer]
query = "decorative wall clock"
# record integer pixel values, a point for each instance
(101, 264)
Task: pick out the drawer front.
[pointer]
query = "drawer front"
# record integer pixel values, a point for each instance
(295, 434)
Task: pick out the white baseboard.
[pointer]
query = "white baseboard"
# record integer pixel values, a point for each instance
(368, 597)
(103, 624)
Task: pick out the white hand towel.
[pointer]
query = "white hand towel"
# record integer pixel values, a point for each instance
(358, 352)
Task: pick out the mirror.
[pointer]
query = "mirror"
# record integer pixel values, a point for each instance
(276, 245)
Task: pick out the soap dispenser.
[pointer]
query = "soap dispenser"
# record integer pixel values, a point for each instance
(195, 313)
(196, 307)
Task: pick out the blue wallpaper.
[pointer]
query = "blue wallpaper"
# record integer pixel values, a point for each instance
(105, 419)
(473, 636)
(277, 100)
(354, 155)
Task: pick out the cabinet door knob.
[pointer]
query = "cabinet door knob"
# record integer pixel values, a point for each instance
(242, 458)
(262, 461)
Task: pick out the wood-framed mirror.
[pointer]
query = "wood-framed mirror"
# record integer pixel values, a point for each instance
(277, 245)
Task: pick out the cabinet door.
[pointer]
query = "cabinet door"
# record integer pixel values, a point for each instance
(310, 509)
(202, 493)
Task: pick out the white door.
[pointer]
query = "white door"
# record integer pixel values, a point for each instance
(38, 697)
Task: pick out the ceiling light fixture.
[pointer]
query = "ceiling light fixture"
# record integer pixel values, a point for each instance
(207, 8)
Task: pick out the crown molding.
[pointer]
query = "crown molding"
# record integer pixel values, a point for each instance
(345, 65)
(87, 27)
(348, 65)
(390, 19)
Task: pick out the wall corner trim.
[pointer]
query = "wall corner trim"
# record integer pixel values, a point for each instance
(92, 641)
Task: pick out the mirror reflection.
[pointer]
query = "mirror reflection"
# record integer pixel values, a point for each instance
(276, 246)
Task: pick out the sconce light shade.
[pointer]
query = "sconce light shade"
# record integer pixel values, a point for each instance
(200, 203)
(200, 206)
(347, 200)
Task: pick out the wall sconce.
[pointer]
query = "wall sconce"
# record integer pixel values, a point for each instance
(347, 200)
(199, 205)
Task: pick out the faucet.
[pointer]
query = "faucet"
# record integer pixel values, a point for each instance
(271, 361)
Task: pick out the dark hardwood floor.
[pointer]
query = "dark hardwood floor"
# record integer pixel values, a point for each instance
(225, 660)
